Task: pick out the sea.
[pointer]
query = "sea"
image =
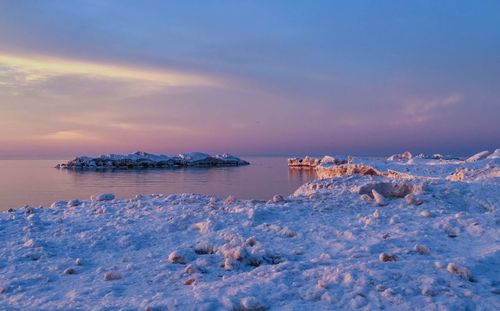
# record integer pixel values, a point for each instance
(38, 183)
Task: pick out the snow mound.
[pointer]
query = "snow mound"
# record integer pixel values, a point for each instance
(490, 172)
(391, 189)
(478, 156)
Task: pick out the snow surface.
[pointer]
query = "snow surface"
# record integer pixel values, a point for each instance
(432, 245)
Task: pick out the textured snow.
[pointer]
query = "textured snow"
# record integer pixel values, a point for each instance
(432, 245)
(490, 172)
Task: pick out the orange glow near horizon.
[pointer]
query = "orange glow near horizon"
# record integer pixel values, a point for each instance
(60, 105)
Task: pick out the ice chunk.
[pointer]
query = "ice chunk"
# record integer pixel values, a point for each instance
(421, 249)
(112, 276)
(181, 256)
(384, 257)
(59, 204)
(379, 199)
(69, 271)
(405, 156)
(305, 162)
(102, 197)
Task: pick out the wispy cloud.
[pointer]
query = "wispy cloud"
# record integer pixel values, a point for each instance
(416, 111)
(70, 136)
(111, 122)
(36, 69)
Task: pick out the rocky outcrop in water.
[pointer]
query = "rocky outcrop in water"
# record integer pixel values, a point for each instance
(148, 160)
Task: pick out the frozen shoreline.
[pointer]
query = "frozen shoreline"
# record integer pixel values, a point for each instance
(429, 243)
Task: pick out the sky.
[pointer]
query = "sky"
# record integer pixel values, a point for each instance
(248, 77)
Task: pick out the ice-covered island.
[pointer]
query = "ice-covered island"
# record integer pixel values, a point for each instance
(141, 159)
(406, 233)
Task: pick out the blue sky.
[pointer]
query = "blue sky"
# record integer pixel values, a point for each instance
(261, 77)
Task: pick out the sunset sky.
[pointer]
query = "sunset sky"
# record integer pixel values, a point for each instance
(248, 77)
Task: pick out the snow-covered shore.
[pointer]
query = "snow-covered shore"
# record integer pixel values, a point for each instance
(149, 160)
(419, 239)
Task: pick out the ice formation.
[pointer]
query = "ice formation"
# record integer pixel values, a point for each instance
(478, 156)
(328, 170)
(310, 162)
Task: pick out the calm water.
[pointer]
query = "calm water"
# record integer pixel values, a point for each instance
(36, 182)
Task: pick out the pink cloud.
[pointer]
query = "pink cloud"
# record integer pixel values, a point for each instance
(417, 111)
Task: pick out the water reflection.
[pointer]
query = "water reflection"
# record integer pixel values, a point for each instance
(301, 175)
(39, 183)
